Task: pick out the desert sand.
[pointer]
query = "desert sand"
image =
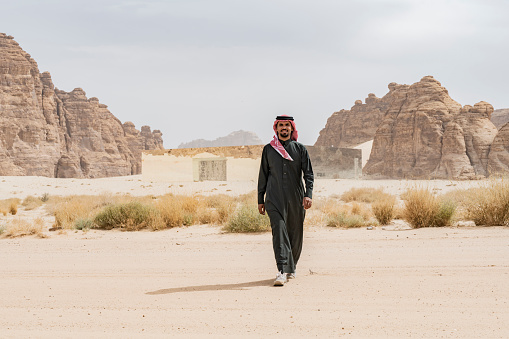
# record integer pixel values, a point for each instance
(200, 282)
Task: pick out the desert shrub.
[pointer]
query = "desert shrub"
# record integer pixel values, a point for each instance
(364, 194)
(20, 227)
(384, 210)
(131, 216)
(9, 206)
(489, 206)
(2, 229)
(83, 224)
(13, 208)
(223, 206)
(174, 211)
(424, 209)
(338, 214)
(207, 215)
(343, 219)
(71, 208)
(44, 197)
(247, 219)
(248, 198)
(31, 202)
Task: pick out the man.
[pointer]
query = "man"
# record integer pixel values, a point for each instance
(281, 193)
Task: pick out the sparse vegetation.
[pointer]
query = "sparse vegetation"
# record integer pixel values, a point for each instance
(247, 219)
(343, 219)
(364, 194)
(131, 216)
(489, 206)
(384, 210)
(31, 202)
(9, 206)
(19, 227)
(83, 224)
(424, 209)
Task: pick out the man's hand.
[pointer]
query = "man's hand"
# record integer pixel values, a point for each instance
(261, 208)
(307, 202)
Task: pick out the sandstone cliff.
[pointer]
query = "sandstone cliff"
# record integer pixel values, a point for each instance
(500, 117)
(349, 128)
(48, 132)
(419, 131)
(237, 138)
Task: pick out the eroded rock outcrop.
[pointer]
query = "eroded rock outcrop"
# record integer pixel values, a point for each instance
(500, 117)
(466, 143)
(237, 138)
(53, 133)
(425, 134)
(348, 128)
(498, 159)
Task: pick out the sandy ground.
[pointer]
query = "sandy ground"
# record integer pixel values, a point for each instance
(199, 282)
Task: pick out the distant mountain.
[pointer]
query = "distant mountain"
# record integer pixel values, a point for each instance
(500, 117)
(237, 138)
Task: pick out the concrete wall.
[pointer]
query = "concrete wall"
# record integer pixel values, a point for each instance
(240, 163)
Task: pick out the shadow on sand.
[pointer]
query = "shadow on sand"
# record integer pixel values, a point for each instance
(218, 287)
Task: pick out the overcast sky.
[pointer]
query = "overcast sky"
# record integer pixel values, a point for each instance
(205, 68)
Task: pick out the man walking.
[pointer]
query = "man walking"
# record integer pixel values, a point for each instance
(281, 193)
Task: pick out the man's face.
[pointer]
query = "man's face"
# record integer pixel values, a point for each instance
(284, 129)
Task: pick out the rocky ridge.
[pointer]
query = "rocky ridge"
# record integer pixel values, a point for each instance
(48, 132)
(237, 138)
(421, 132)
(500, 117)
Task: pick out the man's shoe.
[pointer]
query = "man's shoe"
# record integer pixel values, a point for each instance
(280, 279)
(291, 275)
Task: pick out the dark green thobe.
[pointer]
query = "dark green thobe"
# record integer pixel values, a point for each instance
(280, 183)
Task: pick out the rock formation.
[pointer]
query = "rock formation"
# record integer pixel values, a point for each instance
(348, 128)
(48, 132)
(498, 160)
(423, 133)
(466, 143)
(237, 138)
(500, 117)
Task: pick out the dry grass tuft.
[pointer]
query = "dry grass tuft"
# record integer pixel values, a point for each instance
(384, 210)
(31, 202)
(338, 214)
(247, 219)
(364, 194)
(489, 206)
(9, 206)
(67, 210)
(424, 209)
(19, 227)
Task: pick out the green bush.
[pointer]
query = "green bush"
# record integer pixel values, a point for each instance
(83, 224)
(132, 216)
(247, 219)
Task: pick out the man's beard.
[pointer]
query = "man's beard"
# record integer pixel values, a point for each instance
(284, 134)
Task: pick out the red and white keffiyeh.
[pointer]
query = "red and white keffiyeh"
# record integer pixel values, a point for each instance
(276, 144)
